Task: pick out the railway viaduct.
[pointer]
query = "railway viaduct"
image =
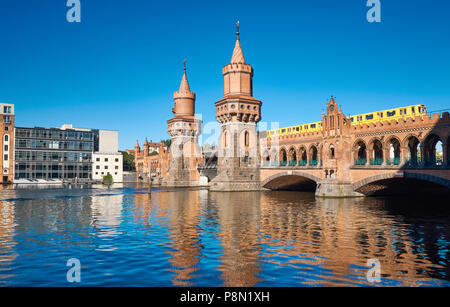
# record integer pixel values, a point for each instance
(347, 160)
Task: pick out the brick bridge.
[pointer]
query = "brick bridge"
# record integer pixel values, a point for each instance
(353, 160)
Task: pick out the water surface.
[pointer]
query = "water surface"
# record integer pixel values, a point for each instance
(179, 237)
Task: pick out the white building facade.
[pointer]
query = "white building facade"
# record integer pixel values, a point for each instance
(106, 158)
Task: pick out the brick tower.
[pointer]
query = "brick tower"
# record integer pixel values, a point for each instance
(184, 128)
(336, 153)
(238, 112)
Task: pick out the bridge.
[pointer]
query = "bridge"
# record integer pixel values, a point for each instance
(355, 160)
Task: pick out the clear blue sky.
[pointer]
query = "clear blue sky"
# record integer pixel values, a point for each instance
(119, 67)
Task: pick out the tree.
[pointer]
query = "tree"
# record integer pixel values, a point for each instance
(128, 162)
(167, 143)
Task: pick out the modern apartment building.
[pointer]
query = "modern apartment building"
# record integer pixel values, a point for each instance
(7, 142)
(66, 153)
(106, 158)
(53, 154)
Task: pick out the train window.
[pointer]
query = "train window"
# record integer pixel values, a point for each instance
(405, 111)
(413, 110)
(352, 119)
(283, 131)
(369, 116)
(297, 129)
(313, 126)
(390, 113)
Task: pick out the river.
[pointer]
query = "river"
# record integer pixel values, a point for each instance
(122, 236)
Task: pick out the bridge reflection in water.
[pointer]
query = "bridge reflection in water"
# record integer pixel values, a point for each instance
(181, 237)
(291, 238)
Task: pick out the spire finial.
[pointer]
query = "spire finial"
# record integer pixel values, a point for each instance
(184, 65)
(237, 29)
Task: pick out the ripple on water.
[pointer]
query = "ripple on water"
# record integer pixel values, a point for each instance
(125, 237)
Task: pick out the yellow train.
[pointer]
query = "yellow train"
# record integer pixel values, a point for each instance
(367, 118)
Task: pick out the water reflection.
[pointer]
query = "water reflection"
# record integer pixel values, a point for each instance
(124, 236)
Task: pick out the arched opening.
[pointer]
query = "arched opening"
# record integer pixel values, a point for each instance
(303, 161)
(411, 184)
(332, 153)
(360, 151)
(283, 157)
(313, 156)
(414, 152)
(447, 149)
(294, 181)
(292, 157)
(266, 158)
(274, 157)
(246, 139)
(393, 156)
(433, 151)
(377, 153)
(225, 140)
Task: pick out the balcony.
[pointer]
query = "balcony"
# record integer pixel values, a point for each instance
(302, 163)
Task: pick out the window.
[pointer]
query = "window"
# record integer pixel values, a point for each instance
(117, 167)
(6, 147)
(97, 167)
(6, 128)
(117, 159)
(391, 113)
(5, 158)
(7, 109)
(6, 138)
(313, 126)
(96, 173)
(98, 159)
(106, 159)
(106, 166)
(7, 119)
(413, 110)
(369, 116)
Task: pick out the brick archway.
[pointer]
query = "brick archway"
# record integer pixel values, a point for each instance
(290, 174)
(407, 175)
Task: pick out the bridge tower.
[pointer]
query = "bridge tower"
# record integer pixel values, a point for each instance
(184, 129)
(336, 153)
(238, 113)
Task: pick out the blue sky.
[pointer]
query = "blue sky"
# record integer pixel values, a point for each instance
(119, 67)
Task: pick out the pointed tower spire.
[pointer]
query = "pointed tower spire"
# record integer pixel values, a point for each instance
(184, 98)
(238, 55)
(184, 86)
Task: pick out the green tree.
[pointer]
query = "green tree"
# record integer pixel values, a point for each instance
(167, 142)
(128, 162)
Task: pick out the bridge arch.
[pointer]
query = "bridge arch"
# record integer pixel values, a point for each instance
(359, 150)
(390, 178)
(291, 180)
(412, 143)
(430, 146)
(393, 149)
(313, 153)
